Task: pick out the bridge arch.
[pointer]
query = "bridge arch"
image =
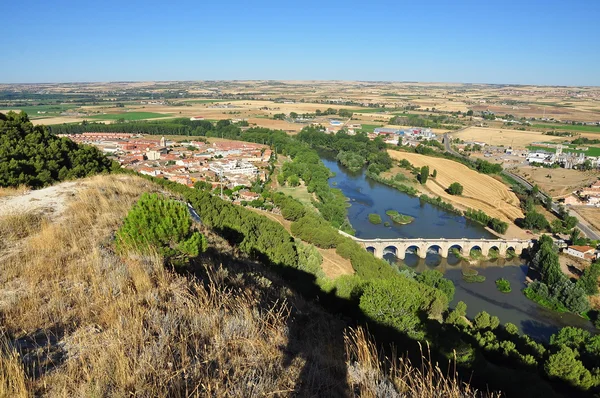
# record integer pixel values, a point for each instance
(439, 249)
(512, 251)
(458, 247)
(493, 249)
(391, 249)
(372, 250)
(416, 249)
(477, 247)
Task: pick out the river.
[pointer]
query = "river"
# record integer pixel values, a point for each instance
(367, 196)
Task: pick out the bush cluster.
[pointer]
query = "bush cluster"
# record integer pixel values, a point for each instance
(32, 156)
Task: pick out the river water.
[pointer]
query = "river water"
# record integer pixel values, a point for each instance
(367, 196)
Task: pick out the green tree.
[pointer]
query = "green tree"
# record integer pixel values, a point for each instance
(482, 320)
(570, 336)
(32, 156)
(589, 280)
(534, 220)
(424, 174)
(434, 174)
(511, 328)
(455, 189)
(435, 279)
(565, 365)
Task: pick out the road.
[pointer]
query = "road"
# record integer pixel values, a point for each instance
(582, 225)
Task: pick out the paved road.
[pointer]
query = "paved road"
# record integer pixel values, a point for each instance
(583, 225)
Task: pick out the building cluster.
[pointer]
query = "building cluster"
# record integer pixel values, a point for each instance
(409, 136)
(226, 163)
(589, 196)
(567, 160)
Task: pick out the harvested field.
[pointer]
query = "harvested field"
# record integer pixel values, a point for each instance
(481, 192)
(57, 120)
(129, 116)
(496, 136)
(558, 183)
(590, 214)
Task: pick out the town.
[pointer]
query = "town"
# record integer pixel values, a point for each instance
(222, 164)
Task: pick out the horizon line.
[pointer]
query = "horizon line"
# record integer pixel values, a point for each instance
(305, 80)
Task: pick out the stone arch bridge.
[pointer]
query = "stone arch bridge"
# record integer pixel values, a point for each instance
(399, 247)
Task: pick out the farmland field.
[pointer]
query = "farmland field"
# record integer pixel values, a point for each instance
(497, 136)
(590, 214)
(209, 101)
(556, 182)
(48, 110)
(481, 192)
(369, 128)
(568, 127)
(129, 116)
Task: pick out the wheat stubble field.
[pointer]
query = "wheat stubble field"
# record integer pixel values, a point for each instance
(508, 138)
(481, 192)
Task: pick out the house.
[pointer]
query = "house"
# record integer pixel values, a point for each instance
(248, 196)
(194, 118)
(149, 171)
(334, 122)
(584, 252)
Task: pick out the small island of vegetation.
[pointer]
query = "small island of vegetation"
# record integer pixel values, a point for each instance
(471, 275)
(374, 218)
(399, 218)
(503, 285)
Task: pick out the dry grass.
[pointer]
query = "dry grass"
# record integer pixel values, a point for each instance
(557, 182)
(590, 214)
(78, 320)
(481, 192)
(373, 376)
(498, 136)
(20, 190)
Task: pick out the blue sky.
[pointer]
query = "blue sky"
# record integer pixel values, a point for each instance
(484, 41)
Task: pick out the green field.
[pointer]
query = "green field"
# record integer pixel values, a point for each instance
(129, 116)
(51, 110)
(369, 128)
(592, 151)
(567, 127)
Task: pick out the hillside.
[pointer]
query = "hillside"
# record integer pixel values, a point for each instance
(81, 319)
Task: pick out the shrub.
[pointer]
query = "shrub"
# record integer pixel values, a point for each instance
(503, 285)
(472, 276)
(164, 225)
(399, 218)
(455, 189)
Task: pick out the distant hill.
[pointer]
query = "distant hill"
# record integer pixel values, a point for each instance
(30, 155)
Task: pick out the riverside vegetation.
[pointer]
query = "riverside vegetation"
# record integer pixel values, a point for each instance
(399, 307)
